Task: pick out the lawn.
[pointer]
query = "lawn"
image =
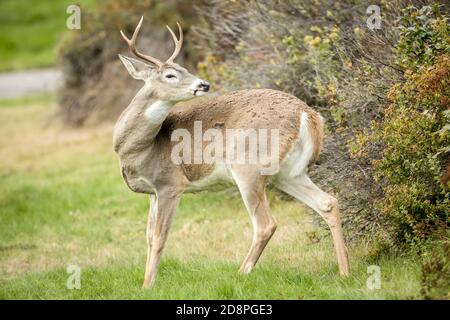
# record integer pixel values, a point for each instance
(29, 31)
(63, 202)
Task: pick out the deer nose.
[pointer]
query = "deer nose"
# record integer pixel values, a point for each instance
(204, 86)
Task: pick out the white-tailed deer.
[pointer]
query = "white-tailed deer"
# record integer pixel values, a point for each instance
(143, 141)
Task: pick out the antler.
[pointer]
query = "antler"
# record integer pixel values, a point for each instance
(132, 44)
(178, 43)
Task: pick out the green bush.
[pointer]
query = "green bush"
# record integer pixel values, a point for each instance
(414, 135)
(436, 273)
(424, 35)
(415, 131)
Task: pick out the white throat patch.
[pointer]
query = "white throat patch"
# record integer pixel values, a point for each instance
(158, 111)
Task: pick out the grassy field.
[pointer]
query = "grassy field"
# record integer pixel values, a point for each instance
(29, 31)
(62, 203)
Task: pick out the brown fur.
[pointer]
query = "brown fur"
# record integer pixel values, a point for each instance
(256, 109)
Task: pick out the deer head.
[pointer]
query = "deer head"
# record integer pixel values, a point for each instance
(167, 80)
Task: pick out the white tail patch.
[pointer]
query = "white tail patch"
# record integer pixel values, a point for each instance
(297, 160)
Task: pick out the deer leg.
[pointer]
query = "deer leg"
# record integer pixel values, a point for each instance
(166, 205)
(304, 190)
(150, 226)
(264, 224)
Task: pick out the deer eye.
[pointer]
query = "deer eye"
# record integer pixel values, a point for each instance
(170, 76)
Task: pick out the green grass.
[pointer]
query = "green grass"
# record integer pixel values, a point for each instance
(193, 279)
(41, 98)
(62, 202)
(29, 31)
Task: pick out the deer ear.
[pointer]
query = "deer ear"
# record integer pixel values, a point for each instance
(137, 69)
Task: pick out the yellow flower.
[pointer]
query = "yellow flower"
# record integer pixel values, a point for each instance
(315, 41)
(332, 89)
(308, 39)
(333, 35)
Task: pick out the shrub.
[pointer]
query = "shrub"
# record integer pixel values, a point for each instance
(414, 132)
(436, 273)
(424, 35)
(415, 139)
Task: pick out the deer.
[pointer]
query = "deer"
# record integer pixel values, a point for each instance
(143, 143)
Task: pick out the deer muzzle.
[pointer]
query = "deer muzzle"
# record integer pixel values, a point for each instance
(199, 87)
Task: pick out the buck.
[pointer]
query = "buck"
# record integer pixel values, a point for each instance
(143, 143)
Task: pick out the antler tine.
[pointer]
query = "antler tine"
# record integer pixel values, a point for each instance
(132, 44)
(178, 43)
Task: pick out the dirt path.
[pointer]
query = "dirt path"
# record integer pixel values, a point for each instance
(21, 83)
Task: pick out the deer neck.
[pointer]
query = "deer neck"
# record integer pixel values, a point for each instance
(140, 122)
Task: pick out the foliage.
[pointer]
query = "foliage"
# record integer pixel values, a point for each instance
(424, 35)
(436, 273)
(415, 135)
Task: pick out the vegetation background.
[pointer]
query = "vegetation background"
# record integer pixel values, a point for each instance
(384, 94)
